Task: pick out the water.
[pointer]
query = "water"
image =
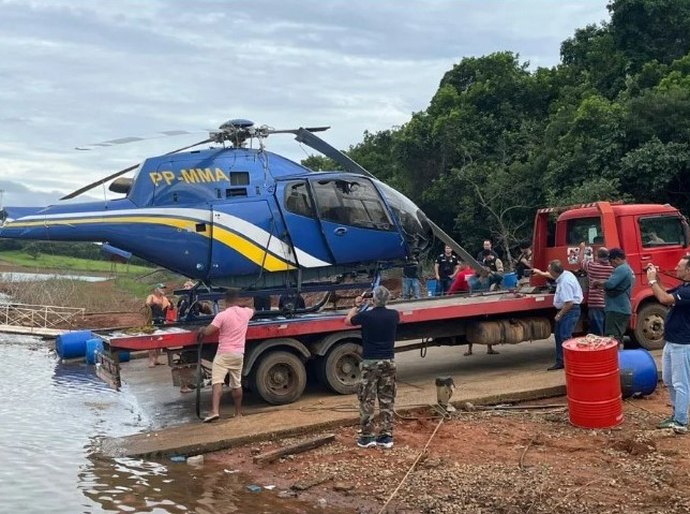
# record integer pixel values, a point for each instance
(12, 276)
(52, 417)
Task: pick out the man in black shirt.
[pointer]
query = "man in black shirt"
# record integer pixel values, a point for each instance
(379, 326)
(446, 267)
(411, 287)
(675, 361)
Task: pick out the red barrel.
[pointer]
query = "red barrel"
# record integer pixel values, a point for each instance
(592, 381)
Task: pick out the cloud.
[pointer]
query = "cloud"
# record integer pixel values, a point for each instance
(77, 71)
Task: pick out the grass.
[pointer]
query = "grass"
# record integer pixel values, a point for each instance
(65, 263)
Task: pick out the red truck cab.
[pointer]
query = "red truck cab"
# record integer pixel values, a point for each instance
(648, 233)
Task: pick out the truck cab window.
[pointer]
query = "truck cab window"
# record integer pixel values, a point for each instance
(351, 202)
(297, 200)
(662, 231)
(584, 229)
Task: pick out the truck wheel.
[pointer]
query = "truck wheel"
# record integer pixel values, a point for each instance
(339, 369)
(649, 330)
(280, 378)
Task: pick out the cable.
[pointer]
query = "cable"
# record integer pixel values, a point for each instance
(412, 467)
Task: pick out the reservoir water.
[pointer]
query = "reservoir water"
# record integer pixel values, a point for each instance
(52, 417)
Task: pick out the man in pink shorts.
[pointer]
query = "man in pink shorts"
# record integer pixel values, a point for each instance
(231, 326)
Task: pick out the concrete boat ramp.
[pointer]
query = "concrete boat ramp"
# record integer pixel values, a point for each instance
(518, 374)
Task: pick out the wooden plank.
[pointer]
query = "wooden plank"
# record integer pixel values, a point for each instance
(36, 331)
(304, 446)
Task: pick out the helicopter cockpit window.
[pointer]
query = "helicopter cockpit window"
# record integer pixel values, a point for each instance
(351, 202)
(297, 200)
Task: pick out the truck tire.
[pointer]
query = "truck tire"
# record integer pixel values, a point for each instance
(280, 378)
(339, 368)
(649, 329)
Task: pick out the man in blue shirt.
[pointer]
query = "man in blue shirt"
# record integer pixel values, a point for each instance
(675, 364)
(567, 300)
(617, 296)
(379, 327)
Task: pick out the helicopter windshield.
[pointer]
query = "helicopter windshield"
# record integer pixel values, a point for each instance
(412, 219)
(351, 202)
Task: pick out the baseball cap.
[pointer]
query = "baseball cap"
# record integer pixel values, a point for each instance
(159, 286)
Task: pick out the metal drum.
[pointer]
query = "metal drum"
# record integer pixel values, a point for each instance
(639, 375)
(593, 382)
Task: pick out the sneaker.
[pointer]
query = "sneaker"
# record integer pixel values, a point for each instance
(679, 429)
(384, 441)
(366, 441)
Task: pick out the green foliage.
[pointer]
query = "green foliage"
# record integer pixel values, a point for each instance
(320, 163)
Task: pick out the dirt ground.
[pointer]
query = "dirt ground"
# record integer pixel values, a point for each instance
(498, 461)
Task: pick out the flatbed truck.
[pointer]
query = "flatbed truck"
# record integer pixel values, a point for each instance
(282, 352)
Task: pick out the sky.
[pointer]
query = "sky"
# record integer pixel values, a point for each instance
(76, 72)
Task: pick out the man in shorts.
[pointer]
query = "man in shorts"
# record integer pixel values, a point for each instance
(231, 326)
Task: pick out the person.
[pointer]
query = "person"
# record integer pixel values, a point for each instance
(567, 300)
(231, 325)
(675, 360)
(262, 302)
(617, 296)
(460, 284)
(159, 304)
(489, 350)
(291, 302)
(445, 268)
(524, 260)
(411, 287)
(187, 308)
(652, 238)
(379, 326)
(490, 277)
(486, 245)
(597, 271)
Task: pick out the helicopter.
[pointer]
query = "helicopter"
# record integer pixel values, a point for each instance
(236, 215)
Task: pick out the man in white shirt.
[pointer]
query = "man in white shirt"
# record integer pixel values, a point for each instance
(567, 300)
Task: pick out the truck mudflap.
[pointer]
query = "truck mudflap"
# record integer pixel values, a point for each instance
(108, 368)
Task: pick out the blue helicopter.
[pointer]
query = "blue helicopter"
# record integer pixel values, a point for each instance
(237, 215)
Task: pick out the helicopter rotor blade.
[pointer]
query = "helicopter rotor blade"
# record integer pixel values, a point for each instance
(305, 136)
(123, 171)
(135, 139)
(294, 131)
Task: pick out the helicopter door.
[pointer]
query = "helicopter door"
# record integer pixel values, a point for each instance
(302, 226)
(355, 221)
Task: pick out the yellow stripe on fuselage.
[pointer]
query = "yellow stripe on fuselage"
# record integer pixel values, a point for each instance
(249, 249)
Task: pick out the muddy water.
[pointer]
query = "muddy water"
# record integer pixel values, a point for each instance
(52, 416)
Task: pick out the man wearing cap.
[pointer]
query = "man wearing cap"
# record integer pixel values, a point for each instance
(231, 326)
(158, 303)
(379, 327)
(617, 296)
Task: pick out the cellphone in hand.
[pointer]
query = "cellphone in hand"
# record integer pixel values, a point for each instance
(368, 294)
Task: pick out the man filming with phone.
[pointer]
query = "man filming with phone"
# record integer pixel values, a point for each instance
(378, 370)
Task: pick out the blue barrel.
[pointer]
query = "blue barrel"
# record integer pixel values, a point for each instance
(639, 375)
(93, 345)
(124, 356)
(432, 287)
(510, 280)
(72, 345)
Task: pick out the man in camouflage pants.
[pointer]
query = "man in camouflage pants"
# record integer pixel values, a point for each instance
(379, 326)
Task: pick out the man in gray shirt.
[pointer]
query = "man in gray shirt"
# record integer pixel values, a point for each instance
(617, 296)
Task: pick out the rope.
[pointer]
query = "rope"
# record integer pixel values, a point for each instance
(412, 467)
